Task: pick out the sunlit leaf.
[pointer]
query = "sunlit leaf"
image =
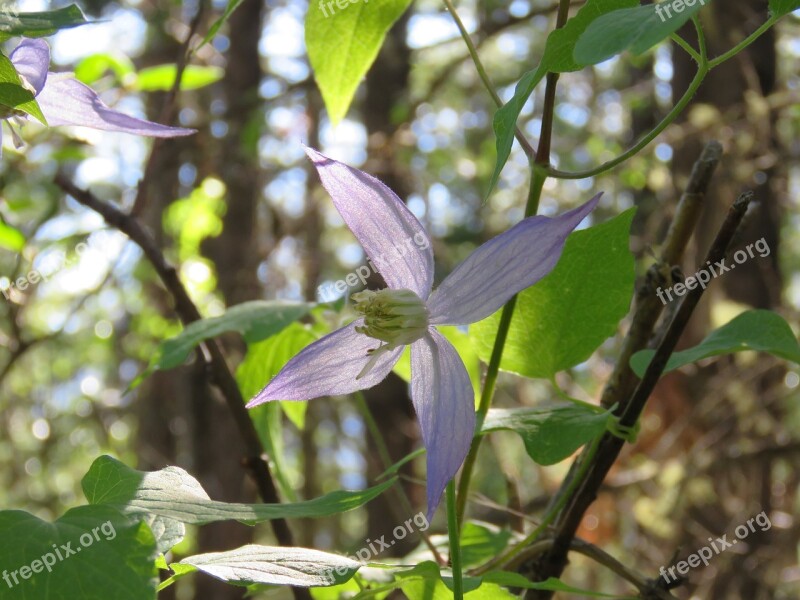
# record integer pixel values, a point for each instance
(162, 77)
(275, 566)
(343, 38)
(559, 322)
(174, 494)
(11, 238)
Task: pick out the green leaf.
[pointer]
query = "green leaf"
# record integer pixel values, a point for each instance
(479, 542)
(255, 320)
(559, 322)
(509, 579)
(461, 342)
(162, 78)
(13, 95)
(551, 432)
(636, 29)
(275, 566)
(759, 330)
(265, 359)
(174, 494)
(93, 67)
(102, 555)
(342, 44)
(557, 58)
(261, 364)
(229, 9)
(11, 238)
(778, 8)
(39, 24)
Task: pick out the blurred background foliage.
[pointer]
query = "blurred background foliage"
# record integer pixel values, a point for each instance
(239, 211)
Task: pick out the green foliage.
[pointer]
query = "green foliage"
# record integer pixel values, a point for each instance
(461, 342)
(174, 494)
(39, 24)
(102, 555)
(636, 29)
(94, 66)
(342, 44)
(254, 564)
(778, 8)
(263, 361)
(550, 432)
(559, 322)
(12, 93)
(11, 238)
(255, 320)
(557, 58)
(162, 78)
(759, 330)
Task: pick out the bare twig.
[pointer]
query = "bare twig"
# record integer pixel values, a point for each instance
(553, 562)
(188, 313)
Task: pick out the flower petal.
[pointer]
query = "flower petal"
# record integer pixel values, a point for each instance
(67, 101)
(444, 402)
(329, 367)
(31, 59)
(502, 267)
(391, 235)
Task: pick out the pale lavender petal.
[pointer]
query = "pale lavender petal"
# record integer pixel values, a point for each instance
(66, 101)
(391, 235)
(31, 59)
(329, 367)
(502, 267)
(444, 402)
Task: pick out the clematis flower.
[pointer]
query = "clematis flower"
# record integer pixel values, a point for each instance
(66, 101)
(361, 354)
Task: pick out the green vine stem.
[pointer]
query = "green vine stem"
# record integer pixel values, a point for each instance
(455, 541)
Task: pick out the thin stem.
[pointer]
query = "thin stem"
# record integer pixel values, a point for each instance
(702, 71)
(686, 46)
(551, 515)
(539, 164)
(487, 82)
(744, 43)
(701, 40)
(386, 459)
(455, 544)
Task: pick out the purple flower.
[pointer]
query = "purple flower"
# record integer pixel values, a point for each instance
(361, 354)
(66, 101)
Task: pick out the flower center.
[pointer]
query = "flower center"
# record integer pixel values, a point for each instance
(397, 317)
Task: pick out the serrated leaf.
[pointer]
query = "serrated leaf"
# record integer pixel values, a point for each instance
(778, 8)
(275, 566)
(342, 44)
(759, 330)
(162, 77)
(174, 494)
(39, 24)
(256, 320)
(558, 58)
(12, 93)
(117, 562)
(551, 433)
(636, 29)
(559, 322)
(11, 238)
